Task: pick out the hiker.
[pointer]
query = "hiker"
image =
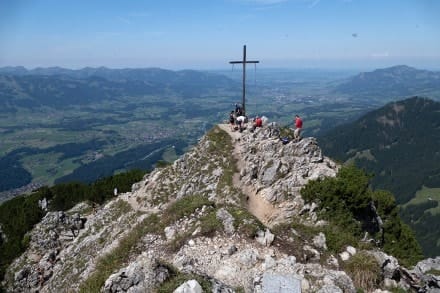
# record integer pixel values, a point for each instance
(258, 122)
(238, 110)
(232, 120)
(298, 128)
(240, 122)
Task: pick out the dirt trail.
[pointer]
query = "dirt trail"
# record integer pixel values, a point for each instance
(256, 205)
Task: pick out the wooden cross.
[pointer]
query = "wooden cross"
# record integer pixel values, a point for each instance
(244, 62)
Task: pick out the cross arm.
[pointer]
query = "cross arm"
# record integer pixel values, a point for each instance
(241, 62)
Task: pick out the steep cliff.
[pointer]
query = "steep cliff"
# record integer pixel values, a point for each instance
(221, 215)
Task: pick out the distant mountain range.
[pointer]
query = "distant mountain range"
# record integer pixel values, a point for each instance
(393, 82)
(58, 87)
(399, 143)
(153, 75)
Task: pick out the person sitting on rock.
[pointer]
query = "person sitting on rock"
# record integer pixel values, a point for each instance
(258, 122)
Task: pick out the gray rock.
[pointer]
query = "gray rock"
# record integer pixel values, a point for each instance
(351, 250)
(319, 241)
(232, 249)
(248, 257)
(281, 283)
(271, 173)
(227, 220)
(269, 262)
(265, 238)
(344, 255)
(426, 265)
(169, 232)
(311, 254)
(22, 274)
(140, 276)
(330, 289)
(191, 286)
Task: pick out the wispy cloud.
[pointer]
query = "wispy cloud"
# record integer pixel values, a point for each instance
(313, 3)
(124, 20)
(140, 14)
(380, 55)
(263, 2)
(268, 2)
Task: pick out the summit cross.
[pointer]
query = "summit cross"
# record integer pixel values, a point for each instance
(244, 62)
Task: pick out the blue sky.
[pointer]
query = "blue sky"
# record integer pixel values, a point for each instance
(206, 34)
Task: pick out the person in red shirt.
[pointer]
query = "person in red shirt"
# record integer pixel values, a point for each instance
(258, 122)
(298, 127)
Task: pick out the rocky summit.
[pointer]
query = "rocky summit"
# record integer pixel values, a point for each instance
(213, 221)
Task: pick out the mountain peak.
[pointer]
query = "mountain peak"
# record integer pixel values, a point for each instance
(388, 83)
(220, 216)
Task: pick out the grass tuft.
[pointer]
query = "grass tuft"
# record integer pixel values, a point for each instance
(364, 270)
(184, 207)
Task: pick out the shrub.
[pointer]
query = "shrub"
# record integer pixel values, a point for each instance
(345, 201)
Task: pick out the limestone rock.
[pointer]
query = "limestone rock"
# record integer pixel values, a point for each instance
(265, 238)
(191, 286)
(227, 220)
(319, 241)
(281, 283)
(143, 275)
(351, 250)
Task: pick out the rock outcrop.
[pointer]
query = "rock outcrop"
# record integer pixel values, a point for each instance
(246, 185)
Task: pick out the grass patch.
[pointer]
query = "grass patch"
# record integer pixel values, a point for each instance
(184, 207)
(113, 260)
(434, 272)
(210, 224)
(364, 270)
(425, 195)
(245, 223)
(179, 240)
(121, 207)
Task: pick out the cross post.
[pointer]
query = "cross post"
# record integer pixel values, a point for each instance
(244, 62)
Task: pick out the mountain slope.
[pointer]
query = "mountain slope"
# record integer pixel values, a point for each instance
(399, 143)
(200, 219)
(389, 83)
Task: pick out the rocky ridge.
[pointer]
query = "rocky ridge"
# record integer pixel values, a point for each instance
(246, 184)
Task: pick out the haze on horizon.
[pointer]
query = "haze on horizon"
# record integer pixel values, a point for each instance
(200, 34)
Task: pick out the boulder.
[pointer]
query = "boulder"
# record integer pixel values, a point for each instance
(273, 282)
(191, 286)
(227, 220)
(265, 238)
(319, 241)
